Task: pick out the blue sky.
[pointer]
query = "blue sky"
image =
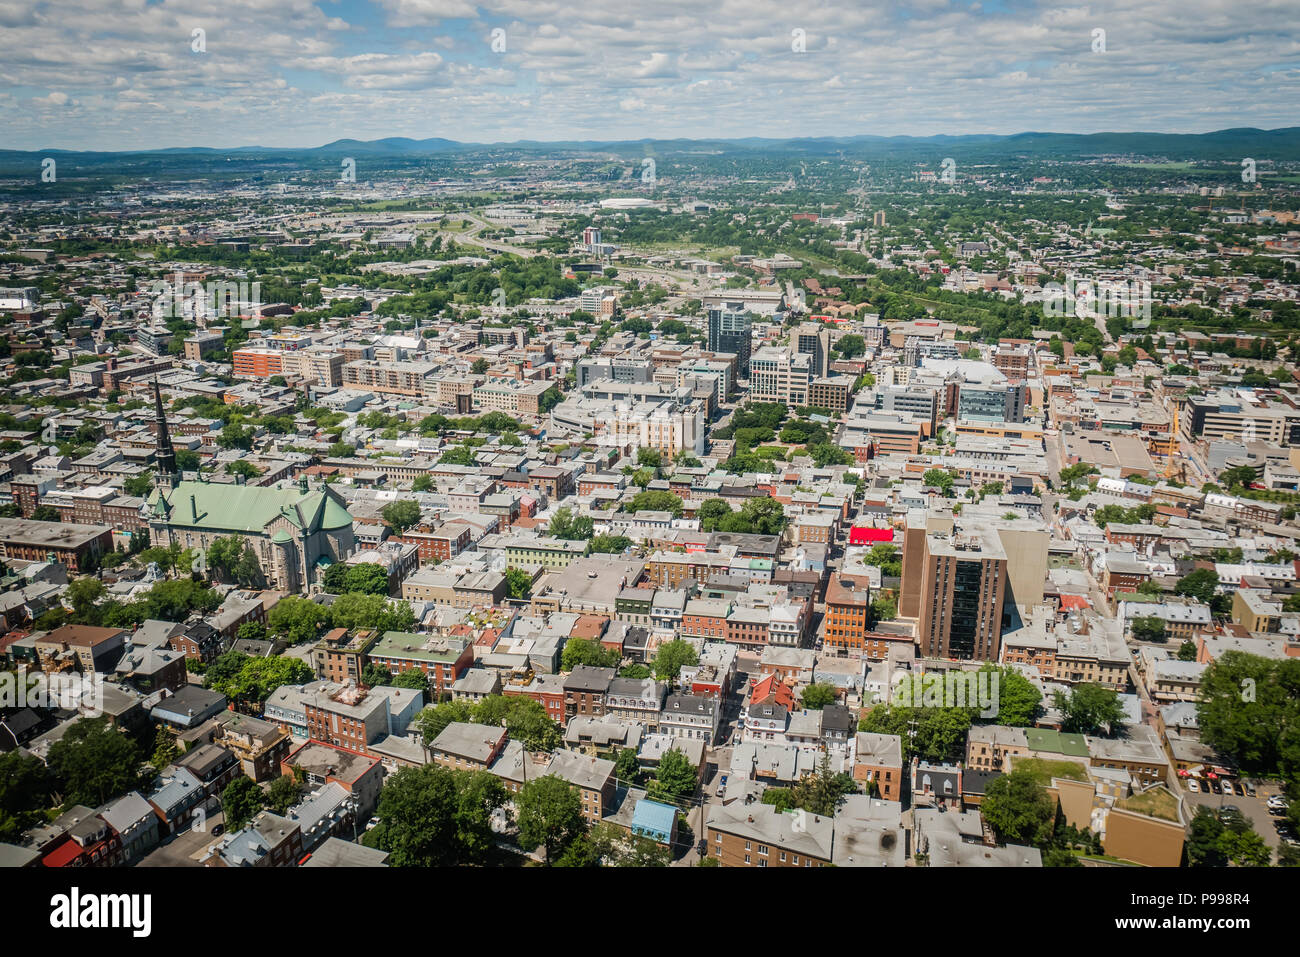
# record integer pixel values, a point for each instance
(122, 74)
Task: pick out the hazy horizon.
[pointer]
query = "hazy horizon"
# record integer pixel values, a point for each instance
(700, 139)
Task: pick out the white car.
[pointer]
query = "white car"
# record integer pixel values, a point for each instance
(1193, 786)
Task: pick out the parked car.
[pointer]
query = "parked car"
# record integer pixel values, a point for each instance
(722, 785)
(1193, 786)
(1250, 788)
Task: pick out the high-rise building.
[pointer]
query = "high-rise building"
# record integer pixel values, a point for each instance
(814, 339)
(780, 375)
(731, 330)
(992, 402)
(964, 578)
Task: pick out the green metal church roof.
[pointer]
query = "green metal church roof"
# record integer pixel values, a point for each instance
(249, 508)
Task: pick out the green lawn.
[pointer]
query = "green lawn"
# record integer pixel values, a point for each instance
(1156, 802)
(1044, 769)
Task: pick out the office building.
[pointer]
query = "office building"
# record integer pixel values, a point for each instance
(731, 330)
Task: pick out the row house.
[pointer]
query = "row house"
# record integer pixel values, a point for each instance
(636, 699)
(691, 716)
(707, 619)
(585, 691)
(878, 762)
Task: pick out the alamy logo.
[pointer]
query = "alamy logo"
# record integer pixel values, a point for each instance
(1128, 300)
(978, 690)
(220, 300)
(64, 691)
(75, 910)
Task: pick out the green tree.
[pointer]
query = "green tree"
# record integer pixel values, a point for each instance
(24, 791)
(355, 610)
(1090, 709)
(710, 512)
(240, 802)
(430, 816)
(524, 719)
(519, 584)
(610, 544)
(938, 478)
(368, 578)
(459, 455)
(1203, 845)
(1249, 709)
(939, 733)
(243, 467)
(164, 749)
(235, 436)
(138, 485)
(627, 768)
(817, 696)
(297, 619)
(1149, 628)
(82, 595)
(549, 815)
(401, 514)
(1200, 584)
(249, 681)
(670, 658)
(1018, 700)
(413, 679)
(1019, 809)
(334, 581)
(283, 793)
(46, 513)
(586, 651)
(851, 346)
(93, 762)
(675, 778)
(431, 722)
(564, 525)
(656, 502)
(821, 792)
(175, 600)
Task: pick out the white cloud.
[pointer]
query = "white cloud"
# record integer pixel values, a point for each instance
(301, 72)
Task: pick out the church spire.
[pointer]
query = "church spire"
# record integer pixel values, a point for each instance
(165, 456)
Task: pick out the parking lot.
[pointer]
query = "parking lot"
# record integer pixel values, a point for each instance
(1255, 809)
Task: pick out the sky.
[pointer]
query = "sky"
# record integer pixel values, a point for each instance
(151, 74)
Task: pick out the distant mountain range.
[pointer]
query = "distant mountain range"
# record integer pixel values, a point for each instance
(1279, 144)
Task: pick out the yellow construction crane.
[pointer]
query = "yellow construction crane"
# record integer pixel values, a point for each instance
(1173, 449)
